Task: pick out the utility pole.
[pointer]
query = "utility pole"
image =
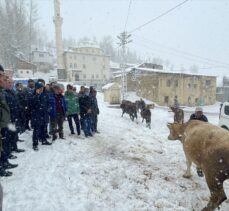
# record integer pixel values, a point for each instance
(124, 39)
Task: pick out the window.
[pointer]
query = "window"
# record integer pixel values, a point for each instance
(176, 83)
(75, 57)
(166, 99)
(208, 82)
(97, 76)
(104, 66)
(41, 55)
(70, 65)
(84, 66)
(75, 65)
(84, 76)
(196, 100)
(226, 110)
(92, 76)
(27, 72)
(189, 86)
(77, 77)
(104, 76)
(168, 83)
(21, 71)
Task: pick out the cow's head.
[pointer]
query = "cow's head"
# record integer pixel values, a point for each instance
(176, 131)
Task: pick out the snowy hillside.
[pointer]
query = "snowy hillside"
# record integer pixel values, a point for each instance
(127, 167)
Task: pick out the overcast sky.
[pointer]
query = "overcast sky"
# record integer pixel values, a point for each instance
(198, 27)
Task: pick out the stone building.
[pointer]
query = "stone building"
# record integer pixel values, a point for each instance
(162, 86)
(87, 66)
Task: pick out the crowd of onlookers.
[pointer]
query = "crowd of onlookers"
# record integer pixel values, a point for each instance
(42, 108)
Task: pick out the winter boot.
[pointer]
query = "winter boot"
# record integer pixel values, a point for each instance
(7, 165)
(54, 137)
(46, 143)
(4, 173)
(19, 150)
(12, 156)
(35, 148)
(61, 136)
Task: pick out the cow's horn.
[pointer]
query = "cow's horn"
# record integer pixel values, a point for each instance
(169, 124)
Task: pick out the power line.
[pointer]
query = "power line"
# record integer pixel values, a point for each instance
(163, 14)
(128, 14)
(184, 53)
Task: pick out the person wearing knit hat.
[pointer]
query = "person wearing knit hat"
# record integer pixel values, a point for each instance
(38, 85)
(38, 119)
(198, 115)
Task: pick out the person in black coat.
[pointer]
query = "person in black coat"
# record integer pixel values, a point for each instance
(28, 95)
(38, 118)
(198, 115)
(46, 102)
(85, 112)
(16, 118)
(95, 110)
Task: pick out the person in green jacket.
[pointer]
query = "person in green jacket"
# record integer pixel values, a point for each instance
(73, 109)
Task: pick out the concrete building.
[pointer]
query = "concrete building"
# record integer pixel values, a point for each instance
(87, 65)
(161, 86)
(43, 59)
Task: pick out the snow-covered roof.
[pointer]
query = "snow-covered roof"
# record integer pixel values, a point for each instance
(170, 72)
(107, 86)
(114, 65)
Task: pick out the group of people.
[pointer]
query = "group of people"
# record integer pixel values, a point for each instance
(42, 108)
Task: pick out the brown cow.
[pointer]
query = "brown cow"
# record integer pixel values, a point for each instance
(207, 146)
(129, 108)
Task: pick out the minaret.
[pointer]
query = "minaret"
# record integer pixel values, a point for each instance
(58, 20)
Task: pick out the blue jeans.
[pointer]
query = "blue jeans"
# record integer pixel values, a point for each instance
(87, 127)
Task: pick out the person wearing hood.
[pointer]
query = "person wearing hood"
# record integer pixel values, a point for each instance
(73, 110)
(38, 117)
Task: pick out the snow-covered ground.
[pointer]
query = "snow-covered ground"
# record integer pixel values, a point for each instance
(126, 167)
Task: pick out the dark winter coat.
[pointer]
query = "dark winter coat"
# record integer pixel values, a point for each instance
(85, 105)
(94, 105)
(21, 95)
(28, 95)
(15, 114)
(38, 111)
(46, 103)
(52, 100)
(202, 118)
(4, 111)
